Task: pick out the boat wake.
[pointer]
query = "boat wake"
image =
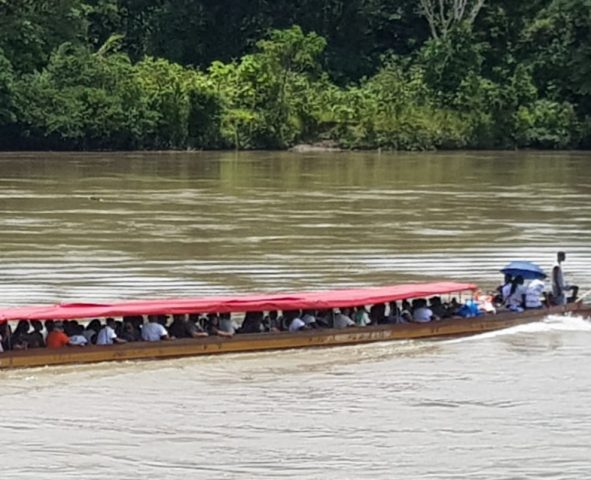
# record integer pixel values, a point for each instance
(552, 323)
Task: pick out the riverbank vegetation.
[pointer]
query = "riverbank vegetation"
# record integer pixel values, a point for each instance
(409, 75)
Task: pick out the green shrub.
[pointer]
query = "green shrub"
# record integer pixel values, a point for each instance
(547, 124)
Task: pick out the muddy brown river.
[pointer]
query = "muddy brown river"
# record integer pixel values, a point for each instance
(514, 404)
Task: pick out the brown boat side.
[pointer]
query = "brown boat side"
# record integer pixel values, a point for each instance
(277, 341)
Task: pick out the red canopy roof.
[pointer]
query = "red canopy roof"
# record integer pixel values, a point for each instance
(278, 301)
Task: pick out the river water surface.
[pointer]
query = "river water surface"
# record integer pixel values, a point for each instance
(514, 404)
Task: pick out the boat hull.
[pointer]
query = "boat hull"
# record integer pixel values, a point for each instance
(277, 341)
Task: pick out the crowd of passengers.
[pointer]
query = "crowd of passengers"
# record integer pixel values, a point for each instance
(513, 295)
(516, 294)
(58, 334)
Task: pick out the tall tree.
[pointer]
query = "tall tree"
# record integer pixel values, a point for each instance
(444, 15)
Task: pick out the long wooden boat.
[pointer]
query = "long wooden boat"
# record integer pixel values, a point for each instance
(263, 341)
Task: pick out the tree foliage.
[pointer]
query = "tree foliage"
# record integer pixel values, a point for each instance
(6, 91)
(444, 16)
(125, 74)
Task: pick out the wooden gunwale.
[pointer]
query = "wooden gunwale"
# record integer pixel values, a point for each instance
(277, 341)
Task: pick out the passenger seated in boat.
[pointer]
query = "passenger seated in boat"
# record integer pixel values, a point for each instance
(516, 299)
(309, 318)
(5, 333)
(213, 326)
(129, 332)
(3, 337)
(56, 338)
(292, 318)
(49, 324)
(454, 307)
(421, 312)
(252, 323)
(377, 314)
(177, 328)
(405, 312)
(107, 334)
(273, 322)
(534, 294)
(393, 313)
(136, 320)
(324, 318)
(134, 334)
(227, 323)
(20, 338)
(361, 316)
(118, 327)
(199, 319)
(503, 290)
(438, 309)
(36, 339)
(154, 331)
(77, 339)
(182, 327)
(341, 318)
(69, 326)
(91, 331)
(163, 320)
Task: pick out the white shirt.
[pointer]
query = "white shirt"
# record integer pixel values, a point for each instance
(308, 319)
(228, 325)
(106, 336)
(422, 315)
(516, 299)
(153, 332)
(296, 324)
(342, 321)
(79, 340)
(534, 291)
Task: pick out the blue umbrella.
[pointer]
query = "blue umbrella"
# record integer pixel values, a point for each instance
(527, 270)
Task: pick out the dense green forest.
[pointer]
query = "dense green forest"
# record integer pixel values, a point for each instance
(399, 74)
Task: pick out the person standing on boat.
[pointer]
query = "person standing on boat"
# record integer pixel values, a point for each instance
(559, 286)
